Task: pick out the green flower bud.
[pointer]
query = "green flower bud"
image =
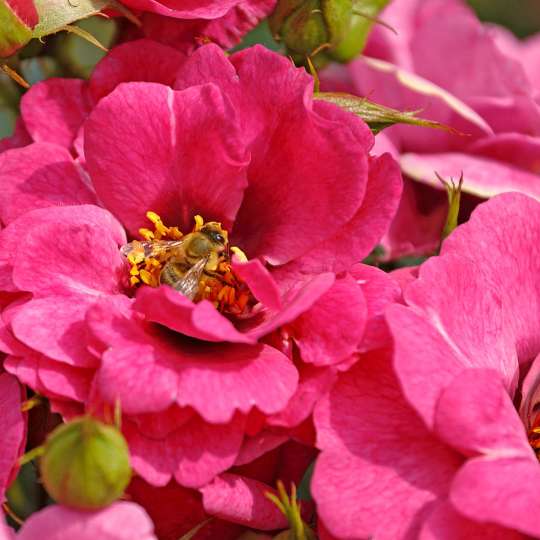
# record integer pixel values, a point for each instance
(365, 14)
(17, 19)
(333, 29)
(307, 25)
(85, 464)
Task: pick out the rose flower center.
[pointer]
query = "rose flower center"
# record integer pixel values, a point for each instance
(196, 264)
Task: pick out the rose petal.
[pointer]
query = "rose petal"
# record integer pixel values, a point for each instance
(54, 109)
(242, 500)
(13, 428)
(444, 523)
(193, 455)
(364, 483)
(143, 147)
(39, 176)
(134, 61)
(482, 177)
(332, 329)
(168, 307)
(120, 521)
(70, 250)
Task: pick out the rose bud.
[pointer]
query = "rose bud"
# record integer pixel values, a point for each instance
(17, 19)
(305, 26)
(85, 464)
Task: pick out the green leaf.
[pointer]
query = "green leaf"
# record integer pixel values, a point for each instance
(377, 116)
(55, 14)
(453, 191)
(304, 489)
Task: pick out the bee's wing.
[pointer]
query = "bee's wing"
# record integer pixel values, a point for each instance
(188, 284)
(150, 248)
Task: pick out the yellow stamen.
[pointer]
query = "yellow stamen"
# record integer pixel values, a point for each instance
(199, 223)
(146, 276)
(147, 234)
(239, 254)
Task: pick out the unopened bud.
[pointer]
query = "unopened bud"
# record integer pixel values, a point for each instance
(306, 26)
(17, 19)
(85, 464)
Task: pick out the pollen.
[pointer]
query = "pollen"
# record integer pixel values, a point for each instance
(218, 283)
(534, 436)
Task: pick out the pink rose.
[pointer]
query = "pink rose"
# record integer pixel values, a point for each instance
(183, 136)
(438, 439)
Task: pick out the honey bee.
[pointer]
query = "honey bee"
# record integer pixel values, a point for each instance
(185, 259)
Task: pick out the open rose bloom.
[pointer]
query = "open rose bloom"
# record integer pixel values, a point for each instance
(437, 436)
(137, 153)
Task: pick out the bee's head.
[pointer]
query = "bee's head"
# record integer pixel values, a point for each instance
(215, 234)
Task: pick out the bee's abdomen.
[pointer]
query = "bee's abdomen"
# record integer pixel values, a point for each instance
(172, 272)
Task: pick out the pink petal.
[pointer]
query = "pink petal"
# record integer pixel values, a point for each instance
(193, 455)
(260, 282)
(209, 64)
(495, 248)
(314, 383)
(523, 151)
(444, 523)
(66, 237)
(120, 521)
(134, 61)
(55, 327)
(19, 138)
(185, 9)
(395, 87)
(379, 291)
(257, 446)
(166, 306)
(332, 329)
(38, 176)
(25, 369)
(161, 424)
(419, 221)
(13, 428)
(457, 323)
(6, 533)
(143, 147)
(482, 176)
(359, 236)
(148, 371)
(272, 211)
(484, 70)
(499, 490)
(62, 381)
(176, 510)
(242, 500)
(298, 300)
(54, 109)
(476, 416)
(519, 113)
(226, 31)
(215, 381)
(365, 484)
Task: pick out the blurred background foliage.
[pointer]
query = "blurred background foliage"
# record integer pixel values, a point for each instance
(67, 55)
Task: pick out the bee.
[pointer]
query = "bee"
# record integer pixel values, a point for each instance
(185, 259)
